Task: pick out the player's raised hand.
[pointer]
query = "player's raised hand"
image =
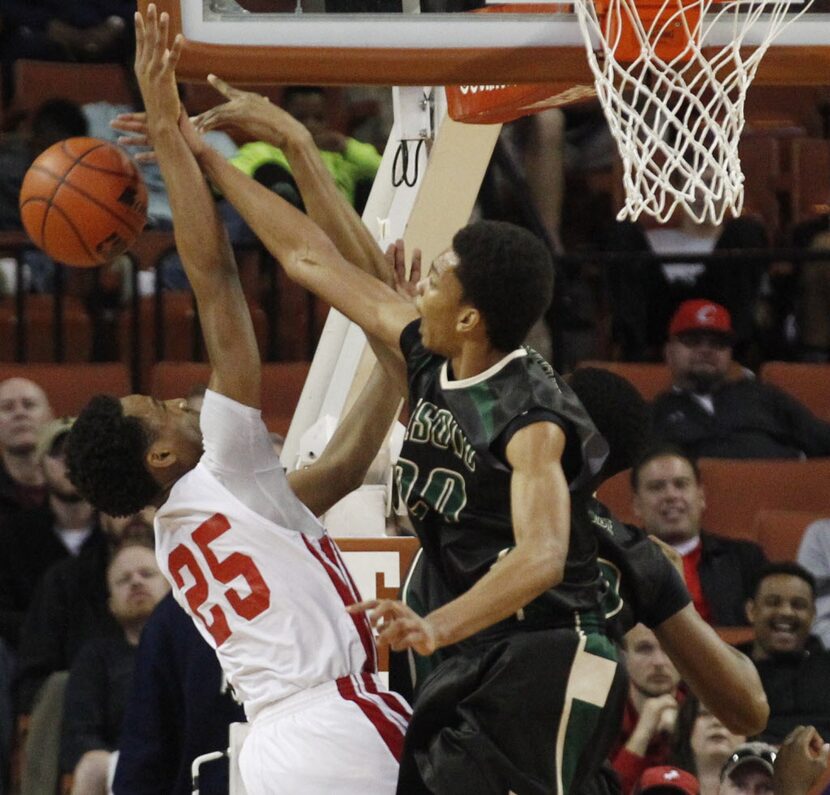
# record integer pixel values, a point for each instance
(398, 625)
(801, 761)
(407, 286)
(251, 113)
(155, 66)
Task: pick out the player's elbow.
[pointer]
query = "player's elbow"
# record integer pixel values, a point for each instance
(751, 716)
(550, 567)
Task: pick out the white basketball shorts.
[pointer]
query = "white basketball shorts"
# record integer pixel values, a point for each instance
(342, 737)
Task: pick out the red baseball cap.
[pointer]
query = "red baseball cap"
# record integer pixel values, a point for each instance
(668, 777)
(701, 315)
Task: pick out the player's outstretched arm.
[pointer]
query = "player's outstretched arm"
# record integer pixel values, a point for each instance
(725, 680)
(324, 202)
(200, 235)
(347, 457)
(306, 254)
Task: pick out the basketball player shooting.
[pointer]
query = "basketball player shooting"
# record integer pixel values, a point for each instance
(239, 542)
(497, 466)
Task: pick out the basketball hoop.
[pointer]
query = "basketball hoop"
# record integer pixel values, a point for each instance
(499, 104)
(672, 77)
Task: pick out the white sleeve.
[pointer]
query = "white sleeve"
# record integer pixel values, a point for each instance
(239, 453)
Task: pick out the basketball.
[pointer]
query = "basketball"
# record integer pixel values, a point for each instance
(83, 202)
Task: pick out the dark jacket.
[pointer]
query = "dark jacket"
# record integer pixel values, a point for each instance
(175, 711)
(728, 571)
(798, 690)
(69, 608)
(99, 682)
(751, 420)
(29, 545)
(14, 497)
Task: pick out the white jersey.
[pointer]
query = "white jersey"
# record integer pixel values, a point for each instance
(271, 600)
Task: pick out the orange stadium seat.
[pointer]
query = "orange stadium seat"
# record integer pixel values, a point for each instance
(650, 379)
(737, 490)
(282, 383)
(70, 386)
(780, 531)
(36, 82)
(809, 383)
(40, 329)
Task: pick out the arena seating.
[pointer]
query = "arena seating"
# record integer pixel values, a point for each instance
(70, 386)
(282, 383)
(649, 379)
(809, 383)
(780, 531)
(737, 490)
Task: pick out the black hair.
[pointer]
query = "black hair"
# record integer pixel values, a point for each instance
(506, 273)
(662, 450)
(680, 747)
(785, 567)
(619, 411)
(105, 456)
(55, 120)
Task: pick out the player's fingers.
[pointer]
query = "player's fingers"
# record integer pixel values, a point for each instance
(221, 86)
(415, 270)
(144, 157)
(175, 52)
(362, 607)
(139, 34)
(125, 125)
(164, 30)
(133, 140)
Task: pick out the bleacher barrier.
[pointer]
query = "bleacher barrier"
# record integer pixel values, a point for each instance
(69, 386)
(807, 383)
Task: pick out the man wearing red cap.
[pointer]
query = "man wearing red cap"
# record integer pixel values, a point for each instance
(667, 781)
(710, 413)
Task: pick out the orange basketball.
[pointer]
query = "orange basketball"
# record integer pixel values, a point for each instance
(83, 201)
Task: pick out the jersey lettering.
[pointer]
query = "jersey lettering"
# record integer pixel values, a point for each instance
(224, 571)
(444, 491)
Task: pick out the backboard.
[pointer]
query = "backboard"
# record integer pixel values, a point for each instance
(391, 43)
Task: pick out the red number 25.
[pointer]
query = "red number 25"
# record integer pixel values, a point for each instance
(235, 565)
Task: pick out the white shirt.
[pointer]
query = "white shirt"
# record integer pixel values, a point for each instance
(270, 600)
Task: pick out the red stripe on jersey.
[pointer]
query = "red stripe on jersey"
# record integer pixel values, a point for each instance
(392, 702)
(390, 732)
(333, 554)
(360, 620)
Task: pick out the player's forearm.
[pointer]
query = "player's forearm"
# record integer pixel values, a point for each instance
(723, 679)
(514, 581)
(199, 232)
(327, 205)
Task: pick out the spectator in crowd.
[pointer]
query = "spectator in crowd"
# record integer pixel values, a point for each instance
(793, 666)
(24, 408)
(69, 608)
(701, 744)
(814, 555)
(352, 164)
(179, 707)
(811, 304)
(101, 675)
(651, 709)
(644, 294)
(669, 501)
(750, 770)
(35, 538)
(53, 30)
(6, 712)
(711, 414)
(667, 780)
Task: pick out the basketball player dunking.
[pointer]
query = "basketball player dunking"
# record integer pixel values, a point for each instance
(239, 542)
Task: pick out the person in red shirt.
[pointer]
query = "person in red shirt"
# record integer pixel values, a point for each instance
(669, 501)
(651, 709)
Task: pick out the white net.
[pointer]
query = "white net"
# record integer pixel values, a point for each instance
(672, 79)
